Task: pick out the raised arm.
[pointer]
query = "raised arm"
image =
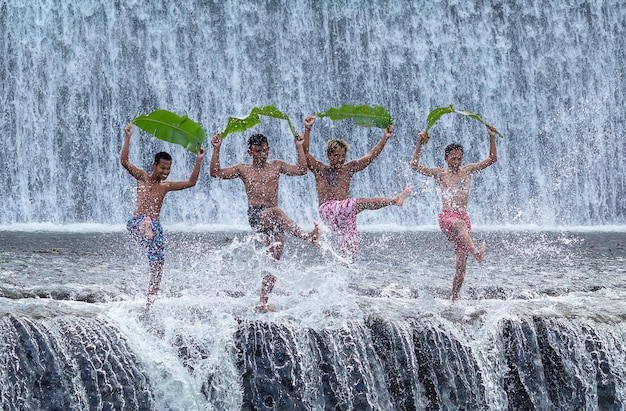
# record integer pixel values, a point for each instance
(132, 169)
(300, 168)
(422, 138)
(215, 169)
(308, 123)
(493, 153)
(314, 164)
(366, 160)
(193, 178)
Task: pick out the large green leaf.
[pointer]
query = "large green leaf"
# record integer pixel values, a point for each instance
(436, 114)
(364, 115)
(239, 124)
(171, 127)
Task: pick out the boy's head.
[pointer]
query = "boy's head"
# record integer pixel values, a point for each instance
(162, 155)
(162, 165)
(336, 144)
(256, 140)
(258, 148)
(452, 147)
(453, 154)
(336, 151)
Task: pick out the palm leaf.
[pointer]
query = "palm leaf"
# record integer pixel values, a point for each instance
(364, 115)
(436, 114)
(171, 127)
(239, 124)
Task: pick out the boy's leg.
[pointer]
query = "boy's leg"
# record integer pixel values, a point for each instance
(146, 228)
(267, 285)
(461, 232)
(156, 272)
(275, 244)
(380, 202)
(275, 217)
(155, 246)
(349, 250)
(459, 275)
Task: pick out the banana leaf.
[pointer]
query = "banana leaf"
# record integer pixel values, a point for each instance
(436, 114)
(171, 127)
(239, 124)
(364, 115)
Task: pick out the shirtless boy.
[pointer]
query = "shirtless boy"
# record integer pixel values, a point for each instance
(454, 183)
(260, 179)
(144, 226)
(332, 182)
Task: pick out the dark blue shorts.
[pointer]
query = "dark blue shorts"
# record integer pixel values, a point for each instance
(254, 218)
(153, 245)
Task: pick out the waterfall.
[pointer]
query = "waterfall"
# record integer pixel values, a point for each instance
(548, 75)
(69, 364)
(413, 364)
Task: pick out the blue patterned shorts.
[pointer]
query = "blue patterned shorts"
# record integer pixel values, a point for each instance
(153, 245)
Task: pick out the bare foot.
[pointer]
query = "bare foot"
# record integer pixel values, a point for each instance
(315, 235)
(146, 228)
(403, 195)
(481, 253)
(265, 308)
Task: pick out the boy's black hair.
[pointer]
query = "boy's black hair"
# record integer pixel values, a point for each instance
(162, 155)
(256, 140)
(452, 147)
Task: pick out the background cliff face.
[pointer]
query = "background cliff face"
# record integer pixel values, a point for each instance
(549, 76)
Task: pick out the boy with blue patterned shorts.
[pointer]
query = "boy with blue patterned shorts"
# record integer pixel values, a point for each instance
(144, 226)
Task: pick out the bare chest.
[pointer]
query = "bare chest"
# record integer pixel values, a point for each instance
(151, 190)
(451, 182)
(261, 177)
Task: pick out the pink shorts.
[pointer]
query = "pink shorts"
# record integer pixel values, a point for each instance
(340, 216)
(446, 219)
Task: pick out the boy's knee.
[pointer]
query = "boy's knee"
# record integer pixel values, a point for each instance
(272, 213)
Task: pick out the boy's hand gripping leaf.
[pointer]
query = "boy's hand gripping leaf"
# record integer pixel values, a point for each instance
(171, 127)
(239, 124)
(364, 115)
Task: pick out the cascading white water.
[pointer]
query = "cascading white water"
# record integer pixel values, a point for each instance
(549, 76)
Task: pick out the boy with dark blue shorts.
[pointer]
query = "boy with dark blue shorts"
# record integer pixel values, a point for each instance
(144, 226)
